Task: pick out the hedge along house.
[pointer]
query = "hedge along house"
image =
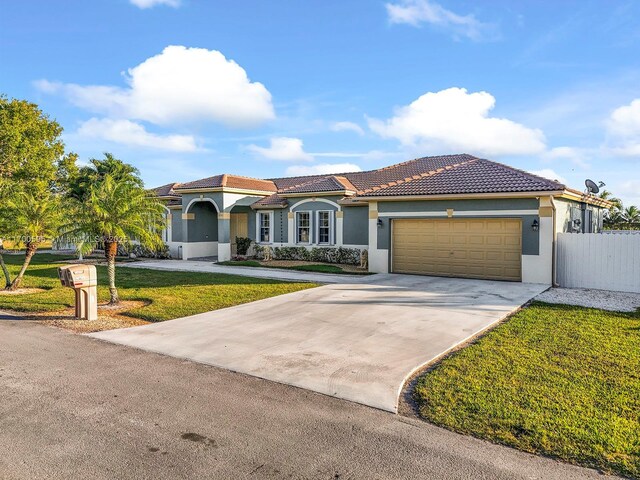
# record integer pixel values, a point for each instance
(453, 215)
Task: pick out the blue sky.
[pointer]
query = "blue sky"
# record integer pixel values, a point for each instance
(185, 89)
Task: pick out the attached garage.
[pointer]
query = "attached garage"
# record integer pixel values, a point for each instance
(489, 248)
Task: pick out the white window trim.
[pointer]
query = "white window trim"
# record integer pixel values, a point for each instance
(331, 227)
(296, 227)
(271, 226)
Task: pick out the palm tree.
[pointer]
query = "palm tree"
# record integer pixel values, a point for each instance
(31, 219)
(607, 195)
(631, 214)
(115, 212)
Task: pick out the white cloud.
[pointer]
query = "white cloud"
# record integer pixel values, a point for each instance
(180, 84)
(454, 120)
(419, 12)
(322, 169)
(285, 149)
(623, 127)
(133, 134)
(347, 127)
(630, 190)
(550, 174)
(574, 155)
(153, 3)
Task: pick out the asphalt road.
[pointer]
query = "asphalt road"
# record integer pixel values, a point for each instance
(75, 407)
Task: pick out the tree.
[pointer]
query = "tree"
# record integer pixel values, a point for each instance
(32, 154)
(95, 172)
(607, 195)
(631, 214)
(114, 212)
(33, 169)
(31, 219)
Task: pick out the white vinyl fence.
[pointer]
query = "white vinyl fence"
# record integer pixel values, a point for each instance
(594, 260)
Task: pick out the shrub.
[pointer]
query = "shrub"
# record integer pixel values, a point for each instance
(291, 253)
(144, 252)
(261, 252)
(242, 245)
(348, 256)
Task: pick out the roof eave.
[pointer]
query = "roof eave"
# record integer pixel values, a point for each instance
(248, 191)
(471, 196)
(571, 194)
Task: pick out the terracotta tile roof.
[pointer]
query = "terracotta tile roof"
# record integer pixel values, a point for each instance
(274, 201)
(473, 175)
(404, 171)
(175, 202)
(329, 183)
(438, 175)
(167, 190)
(230, 181)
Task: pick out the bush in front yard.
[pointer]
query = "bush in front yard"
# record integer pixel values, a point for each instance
(144, 252)
(242, 245)
(291, 253)
(348, 256)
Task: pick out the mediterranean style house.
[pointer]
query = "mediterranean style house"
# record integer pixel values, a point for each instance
(453, 215)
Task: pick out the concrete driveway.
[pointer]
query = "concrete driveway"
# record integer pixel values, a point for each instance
(359, 341)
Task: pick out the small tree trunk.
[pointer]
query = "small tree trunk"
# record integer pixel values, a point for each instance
(31, 250)
(110, 251)
(7, 277)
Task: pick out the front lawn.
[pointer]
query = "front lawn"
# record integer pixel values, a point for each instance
(554, 380)
(168, 294)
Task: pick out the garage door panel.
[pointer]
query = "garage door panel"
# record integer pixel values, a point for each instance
(474, 248)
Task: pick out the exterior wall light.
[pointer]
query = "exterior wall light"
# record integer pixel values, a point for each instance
(380, 224)
(535, 226)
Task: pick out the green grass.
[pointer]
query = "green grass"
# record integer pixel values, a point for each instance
(554, 380)
(171, 294)
(319, 267)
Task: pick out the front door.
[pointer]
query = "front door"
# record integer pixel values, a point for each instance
(239, 228)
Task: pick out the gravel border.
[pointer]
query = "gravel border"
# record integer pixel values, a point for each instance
(586, 297)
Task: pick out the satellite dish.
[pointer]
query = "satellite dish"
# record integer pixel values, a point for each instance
(592, 187)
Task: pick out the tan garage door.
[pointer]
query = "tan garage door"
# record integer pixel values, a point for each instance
(465, 247)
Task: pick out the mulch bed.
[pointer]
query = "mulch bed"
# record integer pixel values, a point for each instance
(109, 318)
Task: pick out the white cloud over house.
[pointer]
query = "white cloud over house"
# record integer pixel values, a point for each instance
(623, 127)
(347, 127)
(573, 155)
(425, 12)
(550, 174)
(454, 120)
(285, 149)
(176, 86)
(132, 134)
(322, 169)
(152, 3)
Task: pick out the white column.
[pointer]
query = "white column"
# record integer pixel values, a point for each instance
(539, 268)
(378, 258)
(291, 228)
(339, 228)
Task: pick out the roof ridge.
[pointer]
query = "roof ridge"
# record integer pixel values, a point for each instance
(223, 180)
(345, 182)
(248, 178)
(418, 176)
(406, 162)
(201, 179)
(316, 179)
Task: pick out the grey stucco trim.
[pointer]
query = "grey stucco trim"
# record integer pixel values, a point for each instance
(355, 225)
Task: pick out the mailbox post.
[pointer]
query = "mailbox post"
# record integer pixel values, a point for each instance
(83, 279)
